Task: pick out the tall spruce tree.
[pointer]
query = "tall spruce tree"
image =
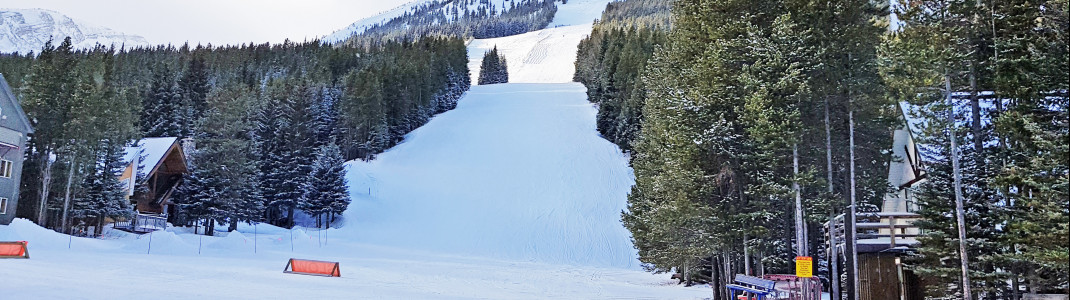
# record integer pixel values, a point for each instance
(326, 193)
(49, 89)
(163, 114)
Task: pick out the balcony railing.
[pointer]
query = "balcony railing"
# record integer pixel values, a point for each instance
(142, 223)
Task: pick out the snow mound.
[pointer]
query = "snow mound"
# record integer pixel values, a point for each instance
(162, 242)
(235, 242)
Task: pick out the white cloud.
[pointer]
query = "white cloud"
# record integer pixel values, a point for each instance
(216, 21)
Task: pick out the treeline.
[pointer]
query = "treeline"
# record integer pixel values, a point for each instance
(465, 18)
(272, 123)
(751, 110)
(751, 107)
(991, 79)
(638, 13)
(610, 61)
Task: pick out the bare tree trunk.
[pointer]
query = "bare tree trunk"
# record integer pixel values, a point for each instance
(100, 226)
(209, 229)
(975, 114)
(834, 261)
(800, 228)
(290, 214)
(746, 257)
(852, 242)
(960, 217)
(834, 271)
(67, 197)
(46, 182)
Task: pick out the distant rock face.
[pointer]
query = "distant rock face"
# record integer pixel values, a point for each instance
(25, 30)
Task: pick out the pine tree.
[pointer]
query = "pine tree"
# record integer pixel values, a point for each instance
(494, 68)
(163, 114)
(194, 88)
(49, 88)
(102, 194)
(224, 186)
(326, 192)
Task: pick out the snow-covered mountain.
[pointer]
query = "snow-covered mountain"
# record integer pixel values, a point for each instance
(25, 30)
(445, 8)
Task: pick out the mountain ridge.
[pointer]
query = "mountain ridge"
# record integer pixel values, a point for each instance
(26, 30)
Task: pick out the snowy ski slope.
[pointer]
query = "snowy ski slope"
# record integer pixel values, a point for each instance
(512, 195)
(516, 172)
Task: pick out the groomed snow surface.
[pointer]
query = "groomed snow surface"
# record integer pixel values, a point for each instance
(512, 195)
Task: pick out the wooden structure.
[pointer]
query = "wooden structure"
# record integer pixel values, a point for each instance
(312, 267)
(14, 250)
(15, 128)
(155, 168)
(883, 238)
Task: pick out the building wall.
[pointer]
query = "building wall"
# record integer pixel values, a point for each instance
(13, 134)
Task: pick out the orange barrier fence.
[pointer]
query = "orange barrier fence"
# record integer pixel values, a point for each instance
(14, 250)
(312, 267)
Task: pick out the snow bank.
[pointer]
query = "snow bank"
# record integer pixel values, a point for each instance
(40, 238)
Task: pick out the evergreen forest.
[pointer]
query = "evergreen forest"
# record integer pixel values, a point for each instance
(493, 69)
(750, 125)
(479, 19)
(270, 125)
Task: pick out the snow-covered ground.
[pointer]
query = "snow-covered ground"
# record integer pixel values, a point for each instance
(512, 195)
(544, 56)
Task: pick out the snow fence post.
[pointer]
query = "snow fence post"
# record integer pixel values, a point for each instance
(291, 239)
(254, 237)
(150, 243)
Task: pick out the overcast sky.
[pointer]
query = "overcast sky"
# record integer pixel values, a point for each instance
(216, 21)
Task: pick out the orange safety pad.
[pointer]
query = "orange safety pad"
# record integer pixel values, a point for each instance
(315, 267)
(16, 249)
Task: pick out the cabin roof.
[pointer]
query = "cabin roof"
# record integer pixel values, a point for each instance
(153, 151)
(5, 92)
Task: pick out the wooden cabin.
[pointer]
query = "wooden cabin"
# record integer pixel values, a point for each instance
(884, 238)
(155, 168)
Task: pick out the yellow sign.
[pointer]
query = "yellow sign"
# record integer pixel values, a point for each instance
(804, 266)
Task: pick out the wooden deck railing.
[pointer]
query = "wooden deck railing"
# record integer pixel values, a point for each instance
(142, 223)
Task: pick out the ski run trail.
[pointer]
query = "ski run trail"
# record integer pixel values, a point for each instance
(512, 195)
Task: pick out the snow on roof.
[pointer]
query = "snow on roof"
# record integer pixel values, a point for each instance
(918, 117)
(152, 151)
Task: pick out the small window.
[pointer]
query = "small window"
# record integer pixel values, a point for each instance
(5, 168)
(3, 206)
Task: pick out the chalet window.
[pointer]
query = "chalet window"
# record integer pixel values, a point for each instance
(5, 168)
(3, 206)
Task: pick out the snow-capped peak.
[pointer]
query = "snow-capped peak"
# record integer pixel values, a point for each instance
(25, 30)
